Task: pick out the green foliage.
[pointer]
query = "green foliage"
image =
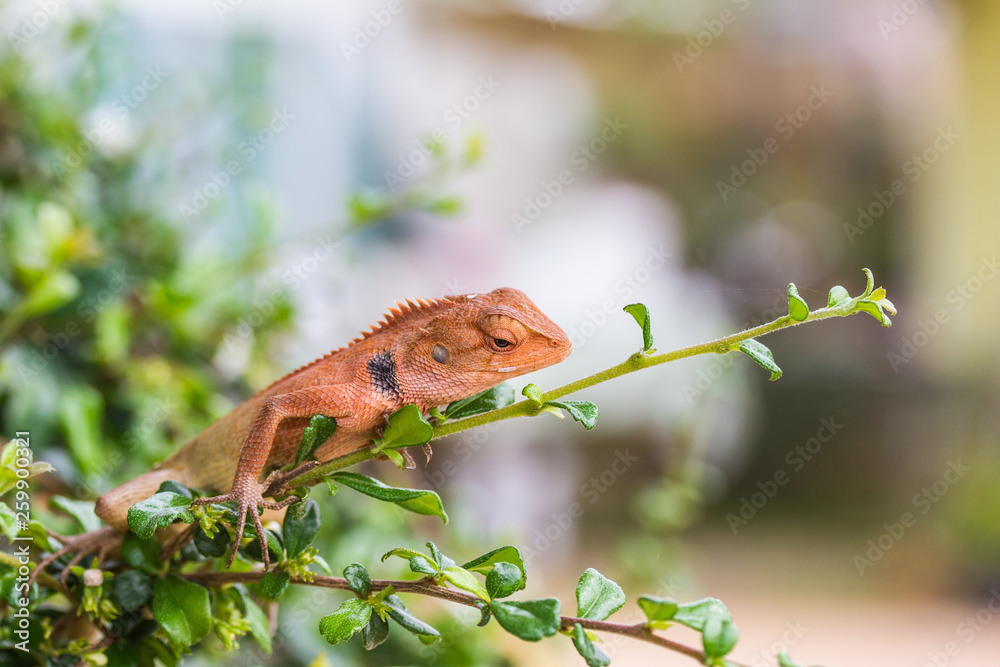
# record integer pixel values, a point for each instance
(641, 315)
(406, 427)
(419, 501)
(530, 620)
(319, 430)
(797, 308)
(158, 511)
(762, 355)
(137, 313)
(182, 609)
(584, 412)
(495, 398)
(592, 655)
(597, 597)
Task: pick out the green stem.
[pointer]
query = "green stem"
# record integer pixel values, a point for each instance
(528, 408)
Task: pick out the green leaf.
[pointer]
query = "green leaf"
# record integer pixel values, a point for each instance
(534, 394)
(421, 565)
(762, 355)
(402, 552)
(260, 628)
(302, 522)
(56, 289)
(440, 559)
(641, 315)
(81, 413)
(182, 609)
(499, 396)
(875, 310)
(215, 545)
(131, 589)
(8, 522)
(798, 309)
(503, 580)
(142, 554)
(81, 510)
(870, 283)
(657, 609)
(375, 632)
(358, 579)
(398, 612)
(275, 549)
(784, 660)
(406, 427)
(530, 620)
(594, 656)
(838, 297)
(318, 431)
(157, 511)
(508, 554)
(347, 621)
(171, 486)
(597, 597)
(465, 580)
(420, 501)
(396, 458)
(712, 619)
(273, 584)
(584, 412)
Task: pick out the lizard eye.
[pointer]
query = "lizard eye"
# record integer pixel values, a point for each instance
(501, 343)
(440, 354)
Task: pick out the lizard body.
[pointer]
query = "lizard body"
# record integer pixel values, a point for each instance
(425, 353)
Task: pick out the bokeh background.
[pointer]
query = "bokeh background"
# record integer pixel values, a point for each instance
(200, 196)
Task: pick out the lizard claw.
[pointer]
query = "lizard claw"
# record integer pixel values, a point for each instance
(248, 499)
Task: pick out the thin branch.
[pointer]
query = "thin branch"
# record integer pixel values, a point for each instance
(528, 408)
(428, 588)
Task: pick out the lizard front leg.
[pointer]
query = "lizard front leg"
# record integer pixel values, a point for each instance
(329, 400)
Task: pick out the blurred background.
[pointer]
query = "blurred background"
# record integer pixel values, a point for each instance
(199, 197)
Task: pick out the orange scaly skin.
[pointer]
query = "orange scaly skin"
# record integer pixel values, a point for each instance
(425, 353)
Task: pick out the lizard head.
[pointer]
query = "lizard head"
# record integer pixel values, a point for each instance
(479, 341)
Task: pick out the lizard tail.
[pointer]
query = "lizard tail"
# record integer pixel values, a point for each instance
(112, 506)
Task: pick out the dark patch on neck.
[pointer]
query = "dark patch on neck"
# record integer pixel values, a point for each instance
(382, 370)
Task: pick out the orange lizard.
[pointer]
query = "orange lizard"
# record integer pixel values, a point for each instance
(425, 353)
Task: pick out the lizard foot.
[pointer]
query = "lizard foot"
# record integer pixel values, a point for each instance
(99, 542)
(248, 498)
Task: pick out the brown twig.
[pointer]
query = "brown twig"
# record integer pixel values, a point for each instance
(428, 588)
